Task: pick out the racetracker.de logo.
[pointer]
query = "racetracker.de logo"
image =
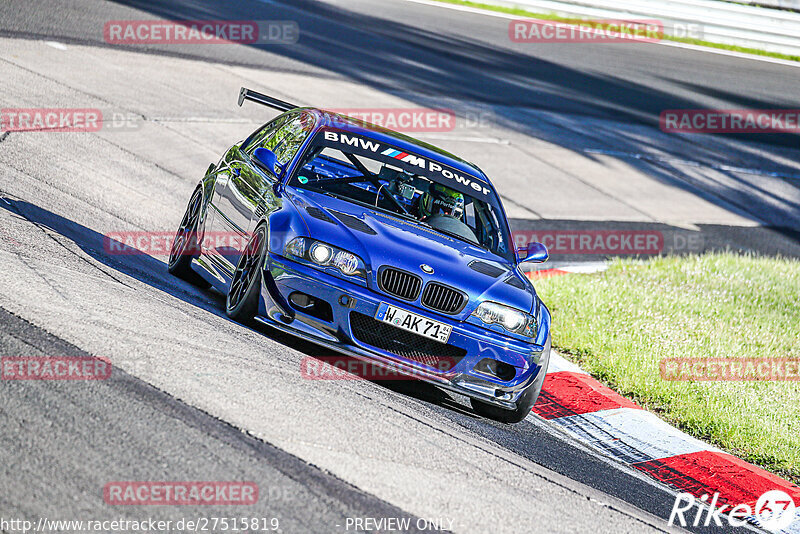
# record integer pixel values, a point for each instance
(347, 368)
(50, 120)
(593, 241)
(730, 121)
(54, 368)
(180, 493)
(403, 119)
(160, 243)
(730, 369)
(585, 31)
(136, 32)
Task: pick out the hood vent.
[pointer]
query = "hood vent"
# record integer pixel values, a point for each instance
(486, 268)
(319, 214)
(354, 223)
(516, 282)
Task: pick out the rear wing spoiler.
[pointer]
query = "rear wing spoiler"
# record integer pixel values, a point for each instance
(264, 100)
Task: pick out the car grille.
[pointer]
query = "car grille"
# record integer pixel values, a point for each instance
(399, 283)
(442, 298)
(402, 343)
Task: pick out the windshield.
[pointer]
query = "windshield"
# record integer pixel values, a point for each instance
(376, 175)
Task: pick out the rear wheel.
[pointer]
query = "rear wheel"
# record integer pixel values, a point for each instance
(243, 297)
(185, 246)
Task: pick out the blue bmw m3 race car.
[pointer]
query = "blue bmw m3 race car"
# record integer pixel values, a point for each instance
(374, 244)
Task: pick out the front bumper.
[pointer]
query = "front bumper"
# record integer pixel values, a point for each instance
(284, 277)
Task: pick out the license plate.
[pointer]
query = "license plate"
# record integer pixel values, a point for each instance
(413, 323)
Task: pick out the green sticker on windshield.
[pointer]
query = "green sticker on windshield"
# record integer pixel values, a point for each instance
(302, 179)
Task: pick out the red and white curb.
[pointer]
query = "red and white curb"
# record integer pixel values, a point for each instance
(600, 418)
(568, 268)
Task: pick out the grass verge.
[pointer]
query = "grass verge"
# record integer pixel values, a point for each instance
(571, 20)
(619, 324)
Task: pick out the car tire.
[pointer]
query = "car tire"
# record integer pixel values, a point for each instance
(185, 246)
(524, 404)
(243, 297)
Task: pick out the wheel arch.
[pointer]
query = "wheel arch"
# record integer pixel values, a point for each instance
(267, 279)
(207, 184)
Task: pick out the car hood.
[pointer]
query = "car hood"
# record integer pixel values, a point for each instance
(382, 239)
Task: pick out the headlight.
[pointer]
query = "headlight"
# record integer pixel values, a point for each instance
(320, 253)
(346, 262)
(512, 319)
(325, 255)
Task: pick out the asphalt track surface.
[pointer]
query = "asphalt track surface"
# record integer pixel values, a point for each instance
(195, 396)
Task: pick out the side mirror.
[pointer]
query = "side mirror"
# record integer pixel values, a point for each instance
(535, 253)
(267, 161)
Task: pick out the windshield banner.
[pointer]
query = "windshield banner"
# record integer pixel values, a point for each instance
(433, 170)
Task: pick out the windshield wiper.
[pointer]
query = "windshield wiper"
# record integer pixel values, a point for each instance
(451, 234)
(327, 193)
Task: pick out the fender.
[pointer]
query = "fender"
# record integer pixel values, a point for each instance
(275, 297)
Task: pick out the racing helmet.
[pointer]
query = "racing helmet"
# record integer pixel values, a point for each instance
(441, 201)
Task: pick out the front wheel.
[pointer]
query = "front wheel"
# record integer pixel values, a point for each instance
(524, 406)
(524, 403)
(243, 296)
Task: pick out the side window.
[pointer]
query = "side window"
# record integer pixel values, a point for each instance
(286, 142)
(258, 137)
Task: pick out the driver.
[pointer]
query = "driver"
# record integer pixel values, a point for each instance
(441, 201)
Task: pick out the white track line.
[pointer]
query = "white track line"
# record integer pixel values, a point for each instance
(697, 48)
